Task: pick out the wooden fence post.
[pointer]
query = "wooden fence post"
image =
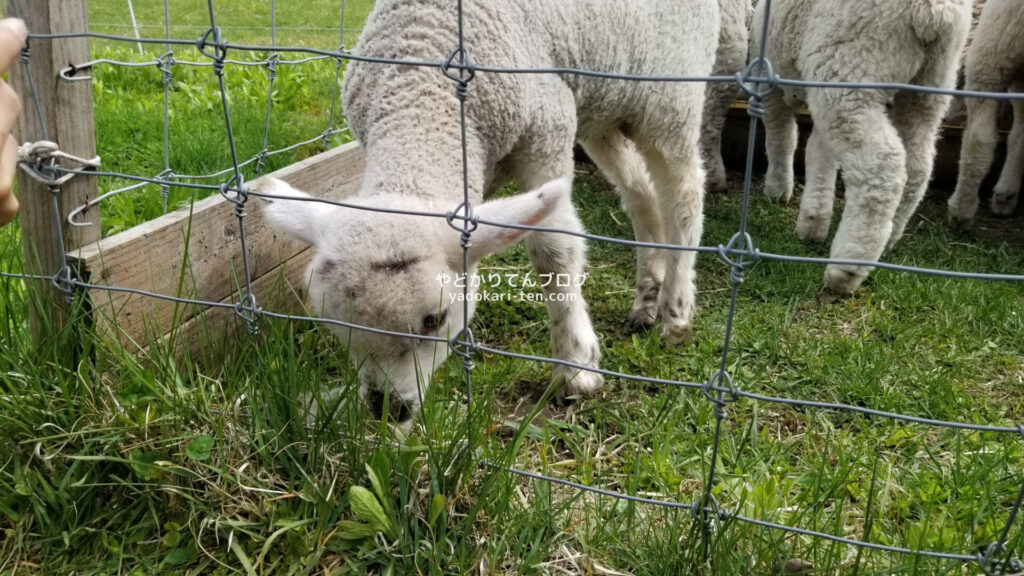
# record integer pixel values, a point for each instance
(65, 109)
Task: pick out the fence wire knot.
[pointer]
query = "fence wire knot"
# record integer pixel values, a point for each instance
(467, 71)
(325, 137)
(261, 160)
(165, 178)
(241, 194)
(752, 84)
(743, 245)
(464, 212)
(708, 510)
(25, 53)
(164, 63)
(247, 310)
(992, 567)
(714, 389)
(64, 280)
(272, 61)
(464, 346)
(219, 46)
(31, 156)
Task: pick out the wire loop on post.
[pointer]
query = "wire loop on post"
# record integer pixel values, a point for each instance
(64, 281)
(31, 157)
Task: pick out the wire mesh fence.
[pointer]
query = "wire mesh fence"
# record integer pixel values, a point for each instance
(739, 255)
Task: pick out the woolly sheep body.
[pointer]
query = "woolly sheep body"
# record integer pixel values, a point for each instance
(884, 141)
(733, 41)
(644, 136)
(995, 63)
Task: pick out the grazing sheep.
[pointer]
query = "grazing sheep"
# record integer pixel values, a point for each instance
(995, 63)
(957, 113)
(382, 270)
(731, 58)
(882, 140)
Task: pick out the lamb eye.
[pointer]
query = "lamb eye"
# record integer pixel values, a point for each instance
(431, 322)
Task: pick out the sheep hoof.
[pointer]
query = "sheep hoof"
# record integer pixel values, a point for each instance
(844, 280)
(1003, 203)
(642, 318)
(571, 382)
(678, 334)
(812, 228)
(717, 182)
(778, 189)
(960, 223)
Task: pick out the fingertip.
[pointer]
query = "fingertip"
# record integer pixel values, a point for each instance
(17, 27)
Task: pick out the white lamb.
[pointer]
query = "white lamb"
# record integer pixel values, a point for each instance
(882, 140)
(995, 63)
(381, 270)
(733, 41)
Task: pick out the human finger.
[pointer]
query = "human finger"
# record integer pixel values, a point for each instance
(8, 166)
(12, 37)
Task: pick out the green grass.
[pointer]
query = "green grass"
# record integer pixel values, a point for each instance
(144, 465)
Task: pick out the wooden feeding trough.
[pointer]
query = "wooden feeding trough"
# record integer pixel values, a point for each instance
(196, 254)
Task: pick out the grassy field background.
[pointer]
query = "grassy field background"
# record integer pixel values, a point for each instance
(151, 466)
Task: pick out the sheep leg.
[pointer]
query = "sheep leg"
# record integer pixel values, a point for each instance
(624, 166)
(562, 258)
(868, 148)
(679, 183)
(976, 156)
(730, 58)
(818, 199)
(720, 96)
(1004, 196)
(780, 146)
(916, 117)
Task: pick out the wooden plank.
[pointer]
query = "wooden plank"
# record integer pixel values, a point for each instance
(197, 254)
(66, 111)
(207, 336)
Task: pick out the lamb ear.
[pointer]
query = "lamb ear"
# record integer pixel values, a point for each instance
(297, 218)
(529, 209)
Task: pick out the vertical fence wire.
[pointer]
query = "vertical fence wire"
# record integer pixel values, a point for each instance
(339, 62)
(165, 64)
(272, 61)
(135, 26)
(465, 340)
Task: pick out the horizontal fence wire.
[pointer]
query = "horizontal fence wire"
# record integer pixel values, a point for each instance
(758, 80)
